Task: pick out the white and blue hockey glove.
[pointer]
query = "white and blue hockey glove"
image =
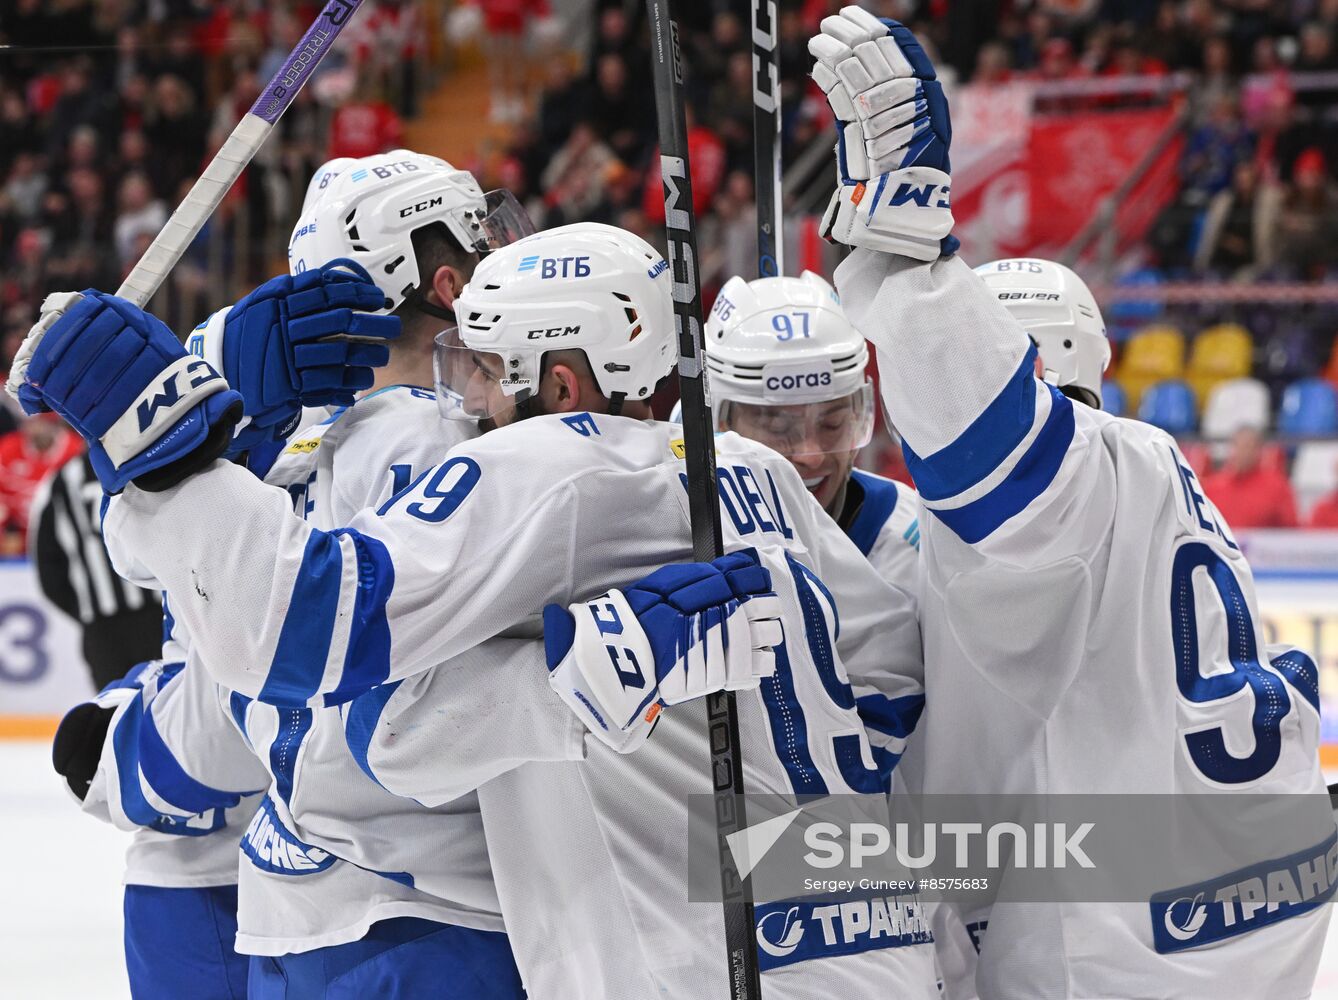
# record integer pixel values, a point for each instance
(685, 631)
(893, 134)
(149, 411)
(298, 340)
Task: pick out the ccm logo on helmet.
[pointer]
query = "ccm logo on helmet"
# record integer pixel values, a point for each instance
(812, 380)
(553, 331)
(421, 206)
(1038, 296)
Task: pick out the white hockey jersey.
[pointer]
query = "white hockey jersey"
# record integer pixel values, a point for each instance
(326, 882)
(1090, 621)
(885, 526)
(587, 856)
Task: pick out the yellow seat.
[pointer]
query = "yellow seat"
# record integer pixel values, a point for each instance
(1153, 354)
(1219, 353)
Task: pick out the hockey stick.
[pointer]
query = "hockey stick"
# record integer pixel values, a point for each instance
(766, 140)
(703, 504)
(235, 153)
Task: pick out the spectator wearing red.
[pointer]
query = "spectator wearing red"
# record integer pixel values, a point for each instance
(364, 128)
(1248, 492)
(706, 153)
(27, 456)
(1325, 513)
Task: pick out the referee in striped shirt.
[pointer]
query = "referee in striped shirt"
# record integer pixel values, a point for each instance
(122, 624)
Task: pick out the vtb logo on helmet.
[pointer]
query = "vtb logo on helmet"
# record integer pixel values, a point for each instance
(620, 313)
(369, 211)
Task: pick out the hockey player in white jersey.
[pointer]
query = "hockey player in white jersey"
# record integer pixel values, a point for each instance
(788, 369)
(569, 502)
(181, 869)
(307, 913)
(1087, 613)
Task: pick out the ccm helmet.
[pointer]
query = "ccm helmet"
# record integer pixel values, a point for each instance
(781, 353)
(1057, 310)
(586, 286)
(369, 212)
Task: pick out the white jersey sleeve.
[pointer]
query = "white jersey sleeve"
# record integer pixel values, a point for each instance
(319, 604)
(984, 439)
(1088, 614)
(173, 762)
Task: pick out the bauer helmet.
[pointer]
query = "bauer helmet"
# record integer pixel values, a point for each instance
(587, 287)
(369, 212)
(780, 352)
(1057, 310)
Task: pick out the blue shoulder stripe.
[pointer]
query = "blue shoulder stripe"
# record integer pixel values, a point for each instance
(880, 500)
(1031, 477)
(304, 641)
(980, 449)
(367, 658)
(169, 779)
(360, 721)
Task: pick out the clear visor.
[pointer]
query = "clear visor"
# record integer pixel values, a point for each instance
(473, 385)
(836, 425)
(502, 222)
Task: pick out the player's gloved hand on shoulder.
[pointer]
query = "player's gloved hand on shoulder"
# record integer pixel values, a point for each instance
(149, 411)
(893, 134)
(307, 339)
(76, 750)
(685, 631)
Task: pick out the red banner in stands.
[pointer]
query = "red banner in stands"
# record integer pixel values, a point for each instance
(1045, 175)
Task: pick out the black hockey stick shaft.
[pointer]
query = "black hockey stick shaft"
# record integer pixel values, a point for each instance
(766, 139)
(703, 505)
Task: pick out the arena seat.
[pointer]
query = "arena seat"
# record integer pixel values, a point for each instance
(1170, 406)
(1233, 404)
(1113, 400)
(1154, 354)
(1219, 353)
(1314, 473)
(1309, 409)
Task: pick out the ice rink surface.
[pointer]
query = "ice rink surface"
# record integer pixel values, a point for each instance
(60, 892)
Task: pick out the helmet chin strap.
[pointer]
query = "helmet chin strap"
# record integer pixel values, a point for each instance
(419, 301)
(1081, 395)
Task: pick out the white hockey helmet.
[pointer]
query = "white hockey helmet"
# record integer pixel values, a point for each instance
(369, 212)
(1057, 310)
(786, 342)
(586, 286)
(321, 180)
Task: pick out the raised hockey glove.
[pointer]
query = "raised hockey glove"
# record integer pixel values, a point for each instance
(298, 340)
(149, 411)
(685, 631)
(77, 749)
(893, 134)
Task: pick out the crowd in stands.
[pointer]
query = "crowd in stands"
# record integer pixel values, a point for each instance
(109, 108)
